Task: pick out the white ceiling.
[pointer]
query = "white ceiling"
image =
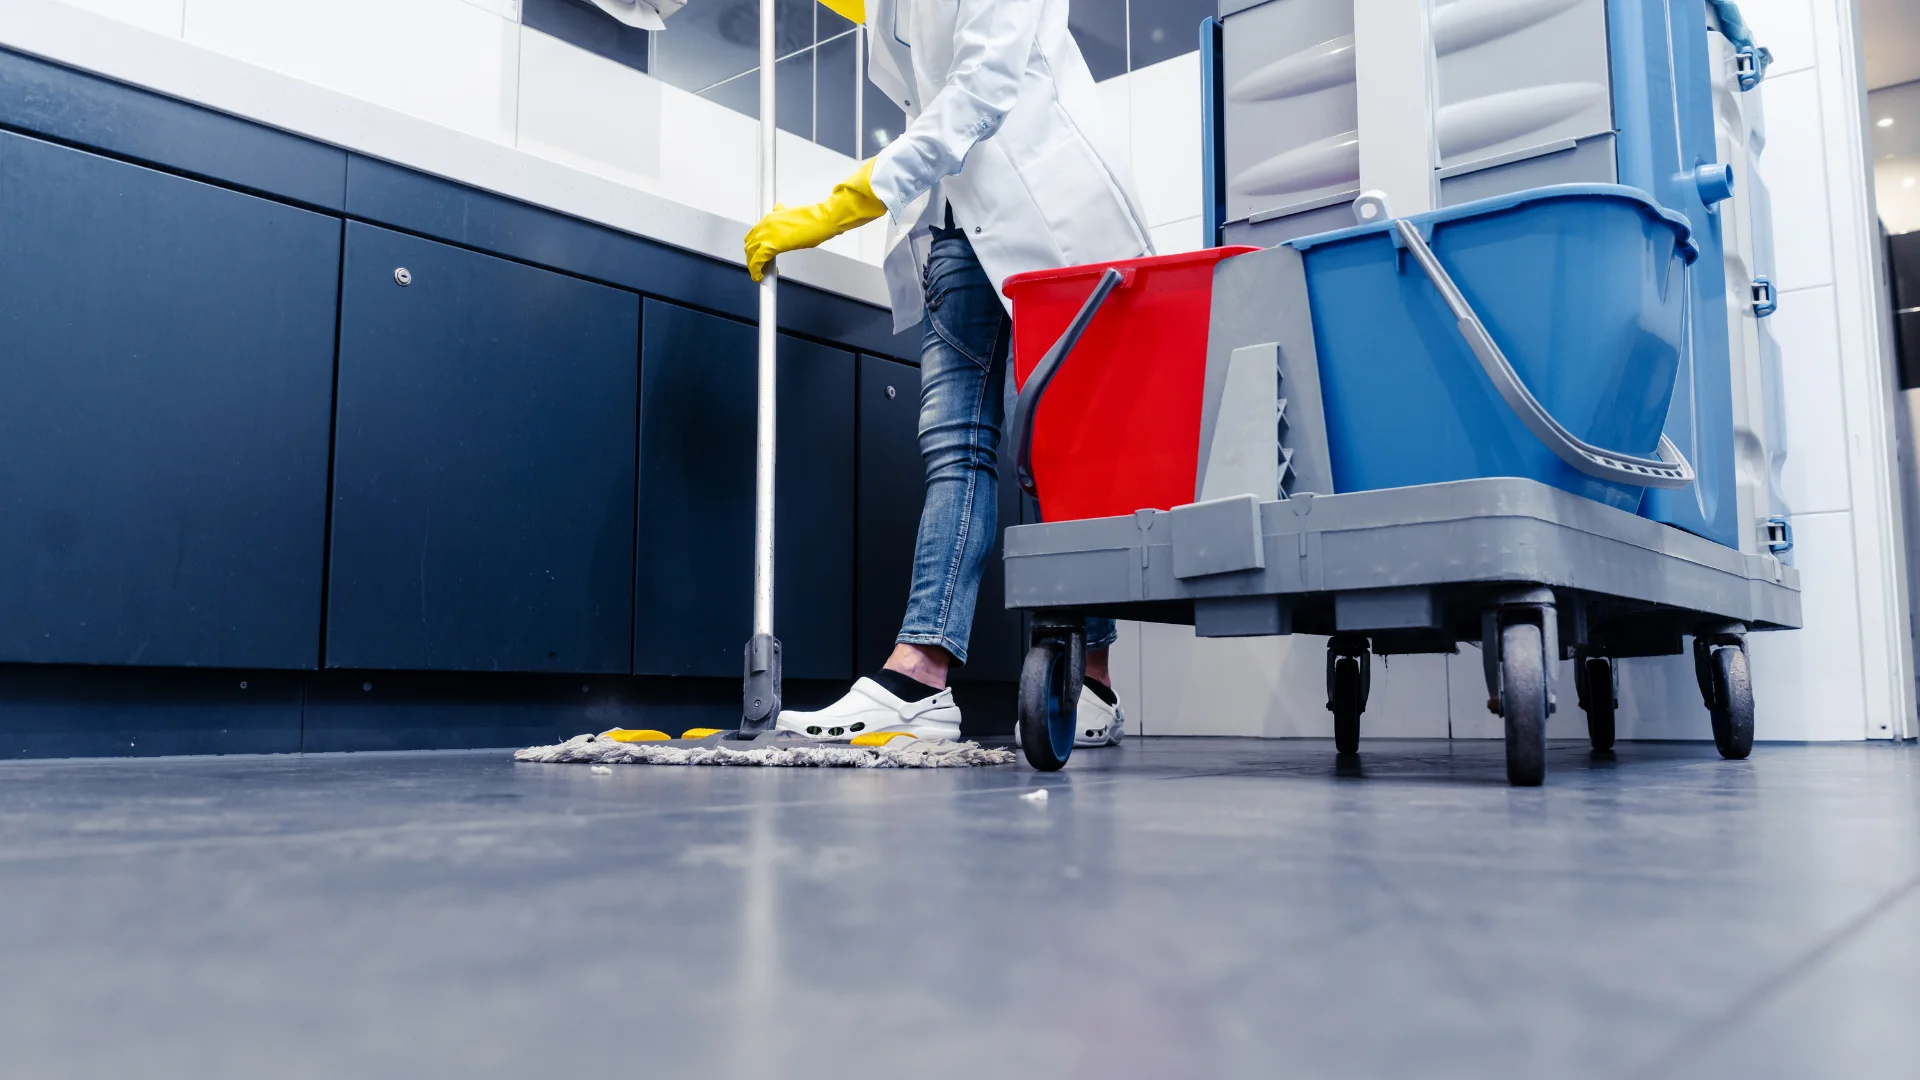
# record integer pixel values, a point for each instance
(1890, 35)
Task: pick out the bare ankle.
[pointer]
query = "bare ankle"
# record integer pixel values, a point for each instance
(928, 664)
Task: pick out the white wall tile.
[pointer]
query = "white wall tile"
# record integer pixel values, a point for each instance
(1183, 691)
(1408, 699)
(588, 111)
(1177, 236)
(1806, 327)
(506, 9)
(1166, 138)
(1276, 688)
(1794, 166)
(1809, 684)
(1124, 666)
(446, 61)
(1659, 699)
(159, 16)
(1470, 719)
(709, 155)
(1786, 28)
(1467, 715)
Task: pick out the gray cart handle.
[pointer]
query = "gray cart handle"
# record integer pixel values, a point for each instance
(1669, 470)
(1029, 399)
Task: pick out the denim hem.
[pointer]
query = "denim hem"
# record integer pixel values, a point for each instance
(958, 650)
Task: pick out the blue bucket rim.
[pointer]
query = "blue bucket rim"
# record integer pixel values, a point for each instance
(1682, 228)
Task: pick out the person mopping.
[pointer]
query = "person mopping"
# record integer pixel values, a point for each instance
(1006, 165)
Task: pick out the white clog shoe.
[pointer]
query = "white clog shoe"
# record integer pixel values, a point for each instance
(870, 708)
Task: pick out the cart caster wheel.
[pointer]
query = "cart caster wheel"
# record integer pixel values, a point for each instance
(1597, 698)
(1346, 705)
(1523, 703)
(1050, 699)
(1732, 706)
(1349, 678)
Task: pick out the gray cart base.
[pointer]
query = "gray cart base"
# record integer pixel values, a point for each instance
(1532, 573)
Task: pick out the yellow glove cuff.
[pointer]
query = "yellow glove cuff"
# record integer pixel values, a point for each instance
(854, 200)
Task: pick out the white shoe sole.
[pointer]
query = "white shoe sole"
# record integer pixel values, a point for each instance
(832, 732)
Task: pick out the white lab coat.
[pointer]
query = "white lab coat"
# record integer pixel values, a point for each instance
(1004, 123)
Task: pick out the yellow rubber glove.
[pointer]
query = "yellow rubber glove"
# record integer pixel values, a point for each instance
(851, 205)
(851, 10)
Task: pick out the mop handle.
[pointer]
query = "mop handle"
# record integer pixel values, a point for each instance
(761, 695)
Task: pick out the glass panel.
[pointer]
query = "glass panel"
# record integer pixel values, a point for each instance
(714, 40)
(830, 25)
(584, 26)
(835, 83)
(1164, 29)
(1100, 27)
(884, 121)
(795, 90)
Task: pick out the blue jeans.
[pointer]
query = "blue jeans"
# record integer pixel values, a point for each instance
(963, 405)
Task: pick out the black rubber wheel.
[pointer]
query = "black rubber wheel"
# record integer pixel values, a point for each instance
(1523, 703)
(1732, 708)
(1346, 705)
(1049, 703)
(1599, 702)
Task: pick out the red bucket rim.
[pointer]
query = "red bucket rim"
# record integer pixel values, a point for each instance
(1150, 262)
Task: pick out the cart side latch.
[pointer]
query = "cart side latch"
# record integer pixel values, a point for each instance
(1779, 535)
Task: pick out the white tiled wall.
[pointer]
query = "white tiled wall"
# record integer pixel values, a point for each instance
(160, 16)
(447, 61)
(588, 111)
(1838, 678)
(469, 66)
(1164, 100)
(1806, 327)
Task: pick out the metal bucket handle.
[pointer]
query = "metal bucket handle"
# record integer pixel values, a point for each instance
(1029, 399)
(1669, 470)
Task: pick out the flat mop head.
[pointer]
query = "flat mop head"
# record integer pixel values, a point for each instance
(772, 748)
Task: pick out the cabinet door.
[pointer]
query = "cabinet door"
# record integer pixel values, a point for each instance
(166, 370)
(483, 464)
(892, 491)
(694, 597)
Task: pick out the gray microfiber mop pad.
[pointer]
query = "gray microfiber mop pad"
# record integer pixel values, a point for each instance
(899, 754)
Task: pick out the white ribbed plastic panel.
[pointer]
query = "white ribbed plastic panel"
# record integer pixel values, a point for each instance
(1759, 418)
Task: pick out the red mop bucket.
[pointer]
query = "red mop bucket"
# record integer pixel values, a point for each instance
(1120, 352)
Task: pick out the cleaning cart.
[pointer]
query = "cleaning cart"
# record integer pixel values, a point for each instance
(1406, 435)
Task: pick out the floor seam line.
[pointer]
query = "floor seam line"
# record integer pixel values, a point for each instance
(1720, 1024)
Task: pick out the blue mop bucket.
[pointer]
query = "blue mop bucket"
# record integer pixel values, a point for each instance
(1535, 335)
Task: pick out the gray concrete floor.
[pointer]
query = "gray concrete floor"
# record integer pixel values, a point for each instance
(1179, 907)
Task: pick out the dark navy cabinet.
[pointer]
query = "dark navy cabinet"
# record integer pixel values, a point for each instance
(484, 464)
(166, 365)
(694, 594)
(260, 492)
(892, 491)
